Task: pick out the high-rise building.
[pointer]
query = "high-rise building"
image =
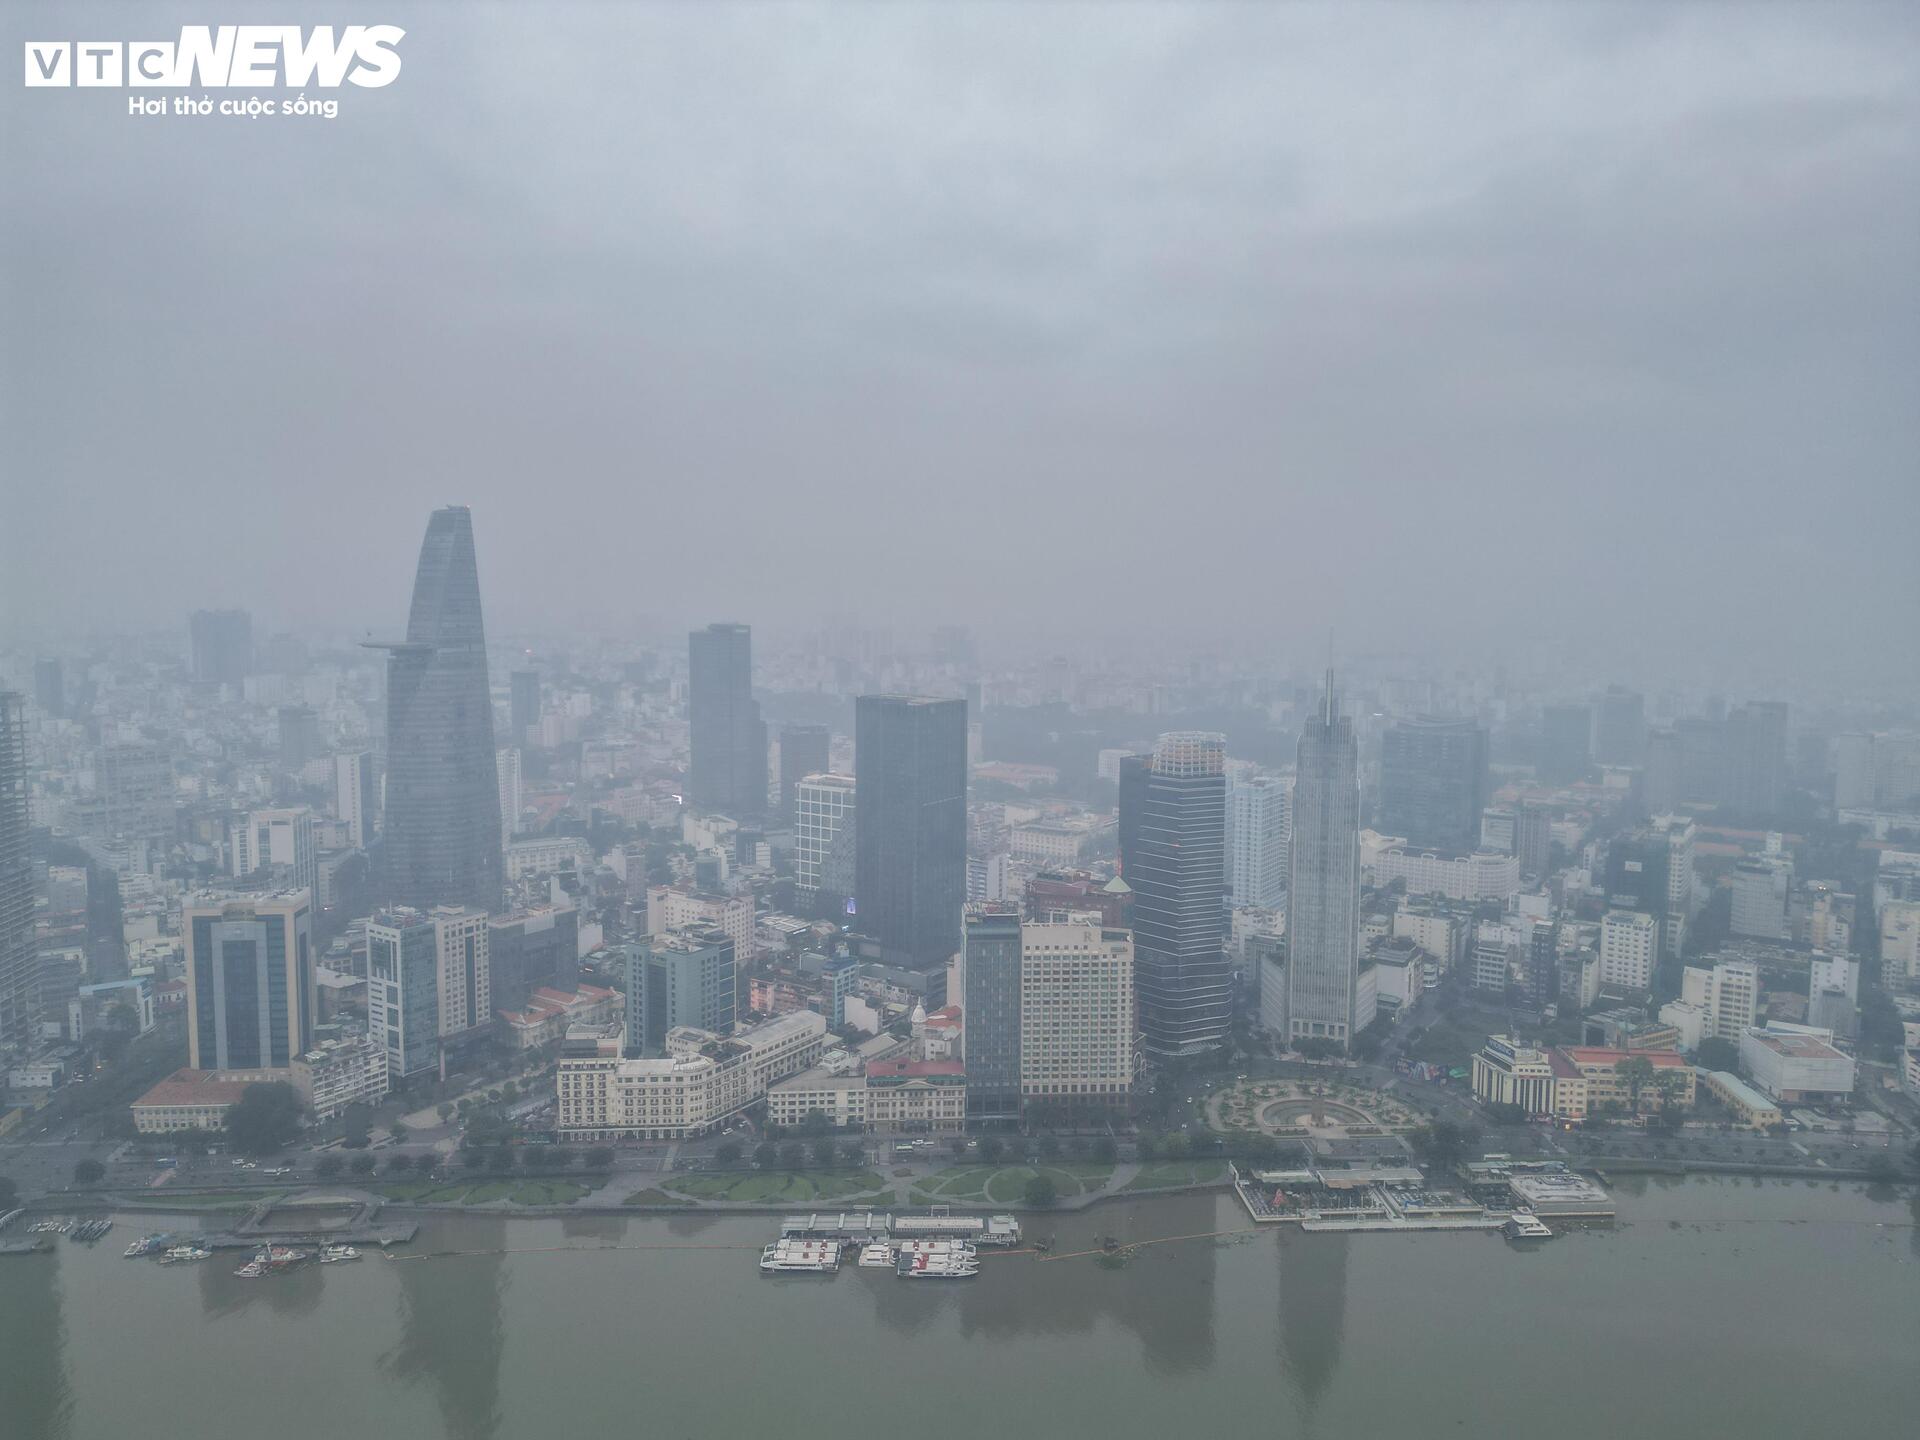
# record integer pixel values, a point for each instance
(1702, 743)
(824, 825)
(134, 794)
(1132, 787)
(1433, 782)
(1323, 902)
(523, 705)
(355, 796)
(49, 687)
(1078, 1030)
(442, 822)
(727, 737)
(222, 646)
(1756, 757)
(684, 977)
(910, 845)
(1533, 841)
(1629, 949)
(992, 969)
(506, 766)
(1566, 743)
(19, 953)
(1257, 841)
(1182, 974)
(403, 990)
(1640, 878)
(1619, 727)
(803, 752)
(280, 842)
(299, 733)
(1762, 886)
(532, 949)
(1728, 994)
(250, 979)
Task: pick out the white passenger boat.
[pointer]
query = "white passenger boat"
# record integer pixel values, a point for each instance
(177, 1253)
(961, 1248)
(879, 1255)
(936, 1267)
(801, 1257)
(334, 1254)
(1525, 1227)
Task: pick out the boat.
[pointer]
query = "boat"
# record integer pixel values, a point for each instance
(801, 1257)
(879, 1255)
(174, 1254)
(936, 1267)
(1522, 1226)
(960, 1248)
(252, 1270)
(334, 1254)
(148, 1245)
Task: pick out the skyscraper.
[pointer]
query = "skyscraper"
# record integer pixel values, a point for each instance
(442, 821)
(250, 980)
(299, 735)
(684, 977)
(355, 796)
(992, 968)
(19, 955)
(523, 705)
(1257, 841)
(1433, 782)
(910, 843)
(1323, 902)
(824, 830)
(1619, 727)
(803, 752)
(222, 646)
(1182, 974)
(1756, 757)
(727, 737)
(49, 686)
(1566, 743)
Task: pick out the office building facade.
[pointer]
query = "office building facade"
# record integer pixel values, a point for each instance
(804, 751)
(1433, 782)
(910, 841)
(222, 646)
(726, 736)
(824, 843)
(1323, 900)
(1078, 1027)
(250, 980)
(19, 953)
(442, 815)
(1257, 826)
(993, 1012)
(684, 977)
(1182, 973)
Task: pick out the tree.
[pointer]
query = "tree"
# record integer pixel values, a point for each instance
(399, 1132)
(792, 1155)
(356, 1126)
(1443, 1142)
(1040, 1192)
(473, 1159)
(1176, 1147)
(1636, 1073)
(957, 1145)
(1049, 1148)
(1717, 1054)
(991, 1149)
(264, 1118)
(509, 1092)
(89, 1172)
(728, 1152)
(600, 1157)
(362, 1164)
(1105, 1151)
(328, 1166)
(398, 1163)
(824, 1152)
(766, 1155)
(444, 1111)
(853, 1153)
(9, 1194)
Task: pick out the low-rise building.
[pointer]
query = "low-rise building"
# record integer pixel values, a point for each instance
(195, 1099)
(702, 1080)
(338, 1073)
(840, 1096)
(1797, 1064)
(551, 1013)
(1749, 1106)
(917, 1095)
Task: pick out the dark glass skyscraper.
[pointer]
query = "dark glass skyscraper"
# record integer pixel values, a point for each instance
(1176, 841)
(727, 737)
(523, 705)
(910, 846)
(222, 646)
(803, 752)
(19, 955)
(1433, 782)
(1566, 743)
(992, 978)
(1756, 757)
(442, 822)
(1323, 900)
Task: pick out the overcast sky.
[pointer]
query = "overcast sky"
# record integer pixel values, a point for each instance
(1437, 324)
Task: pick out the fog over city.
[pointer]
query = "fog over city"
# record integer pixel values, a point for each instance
(1461, 330)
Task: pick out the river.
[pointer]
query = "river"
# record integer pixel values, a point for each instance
(1715, 1306)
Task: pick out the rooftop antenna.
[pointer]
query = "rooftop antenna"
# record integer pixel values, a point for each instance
(1329, 699)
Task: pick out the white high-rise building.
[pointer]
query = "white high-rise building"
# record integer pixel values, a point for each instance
(1258, 823)
(506, 765)
(1629, 941)
(355, 799)
(1729, 993)
(1680, 831)
(1900, 940)
(1078, 1028)
(278, 838)
(1835, 972)
(823, 820)
(1761, 888)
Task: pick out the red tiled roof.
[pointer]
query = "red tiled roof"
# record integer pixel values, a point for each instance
(195, 1087)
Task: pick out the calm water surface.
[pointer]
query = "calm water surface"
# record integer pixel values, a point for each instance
(1715, 1306)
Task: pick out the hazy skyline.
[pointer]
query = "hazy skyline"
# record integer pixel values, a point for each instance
(1442, 325)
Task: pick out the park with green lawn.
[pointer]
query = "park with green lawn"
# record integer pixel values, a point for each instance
(769, 1187)
(1007, 1184)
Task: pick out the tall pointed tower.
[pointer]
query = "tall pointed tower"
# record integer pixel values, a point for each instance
(442, 815)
